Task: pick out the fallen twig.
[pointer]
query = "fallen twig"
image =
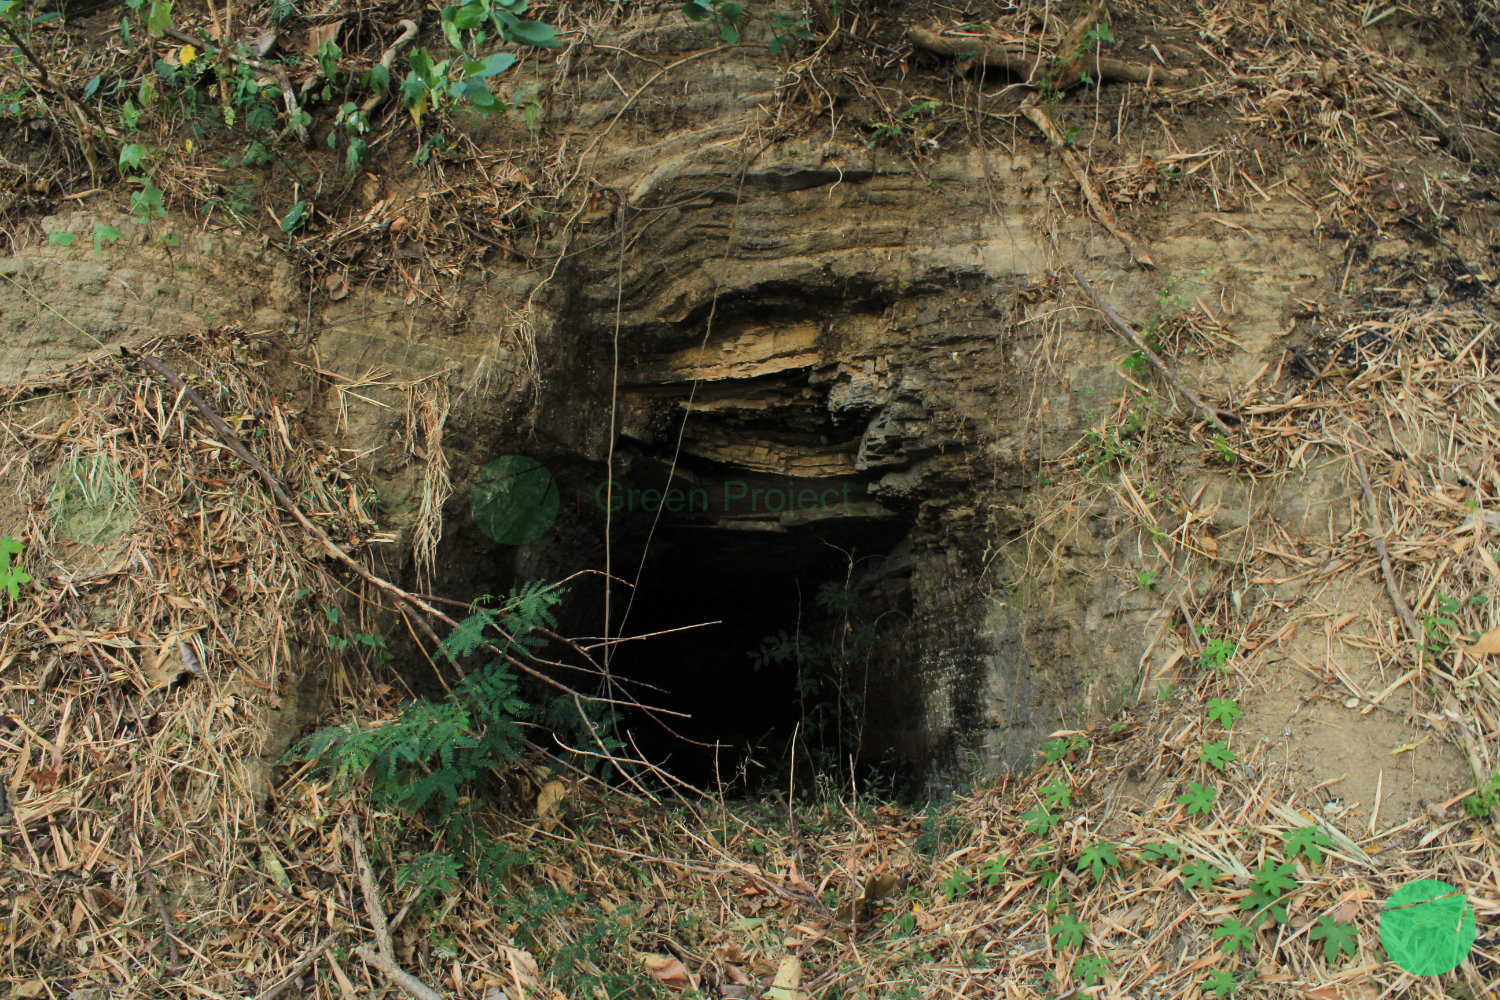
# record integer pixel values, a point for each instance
(1033, 110)
(300, 969)
(1124, 329)
(399, 977)
(369, 887)
(1377, 537)
(173, 958)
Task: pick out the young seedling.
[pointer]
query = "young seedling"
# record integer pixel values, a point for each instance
(1098, 859)
(1162, 851)
(1068, 932)
(1233, 935)
(1221, 984)
(1338, 939)
(1225, 711)
(1091, 969)
(1199, 876)
(1216, 755)
(1198, 799)
(1307, 841)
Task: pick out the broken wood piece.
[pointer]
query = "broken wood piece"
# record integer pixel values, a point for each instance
(1106, 216)
(368, 885)
(397, 976)
(300, 969)
(1124, 329)
(1408, 619)
(1029, 62)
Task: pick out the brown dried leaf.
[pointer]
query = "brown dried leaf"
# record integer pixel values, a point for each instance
(668, 970)
(1488, 644)
(547, 801)
(165, 666)
(322, 33)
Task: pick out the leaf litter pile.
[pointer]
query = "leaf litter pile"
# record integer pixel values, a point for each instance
(161, 606)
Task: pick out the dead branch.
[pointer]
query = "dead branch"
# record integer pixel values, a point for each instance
(1124, 329)
(1451, 714)
(173, 958)
(1377, 539)
(398, 977)
(300, 969)
(1035, 65)
(1033, 110)
(368, 885)
(75, 111)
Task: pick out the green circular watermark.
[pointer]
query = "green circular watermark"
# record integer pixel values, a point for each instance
(1427, 927)
(514, 500)
(91, 499)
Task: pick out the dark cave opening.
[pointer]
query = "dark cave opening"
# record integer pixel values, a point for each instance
(758, 629)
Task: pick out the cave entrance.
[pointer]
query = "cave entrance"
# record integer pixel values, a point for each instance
(801, 617)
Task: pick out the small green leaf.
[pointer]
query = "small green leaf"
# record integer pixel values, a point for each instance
(104, 233)
(1198, 799)
(1338, 939)
(489, 66)
(296, 218)
(1308, 841)
(1098, 858)
(159, 18)
(1162, 851)
(1216, 755)
(1226, 712)
(1069, 932)
(1198, 876)
(63, 239)
(1221, 984)
(1233, 935)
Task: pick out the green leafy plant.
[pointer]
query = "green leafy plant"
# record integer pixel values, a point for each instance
(11, 576)
(1057, 795)
(1233, 935)
(955, 884)
(1439, 623)
(1338, 939)
(1308, 841)
(1161, 851)
(1098, 858)
(725, 15)
(1224, 711)
(1060, 747)
(1145, 579)
(1221, 984)
(1216, 654)
(1091, 969)
(1198, 799)
(1485, 801)
(785, 30)
(1199, 876)
(436, 751)
(1270, 884)
(1216, 755)
(1040, 821)
(1068, 931)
